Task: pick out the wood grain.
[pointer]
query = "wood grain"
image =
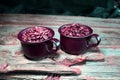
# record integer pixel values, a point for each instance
(108, 29)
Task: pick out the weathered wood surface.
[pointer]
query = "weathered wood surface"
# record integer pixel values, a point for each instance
(108, 29)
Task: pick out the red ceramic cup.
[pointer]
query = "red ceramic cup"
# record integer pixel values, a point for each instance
(38, 45)
(76, 40)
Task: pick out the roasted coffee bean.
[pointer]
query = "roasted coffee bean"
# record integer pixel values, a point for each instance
(36, 34)
(75, 30)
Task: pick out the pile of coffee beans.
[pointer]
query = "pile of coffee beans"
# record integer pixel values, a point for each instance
(75, 30)
(36, 34)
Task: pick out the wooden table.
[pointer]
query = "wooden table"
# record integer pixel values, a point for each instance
(108, 29)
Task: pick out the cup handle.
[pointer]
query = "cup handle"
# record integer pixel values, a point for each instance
(97, 37)
(56, 44)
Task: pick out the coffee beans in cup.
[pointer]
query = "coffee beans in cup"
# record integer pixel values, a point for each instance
(75, 30)
(36, 34)
(37, 42)
(75, 38)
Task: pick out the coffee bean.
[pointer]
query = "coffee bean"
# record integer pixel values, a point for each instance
(36, 34)
(75, 30)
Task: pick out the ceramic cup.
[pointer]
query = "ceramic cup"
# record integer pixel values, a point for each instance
(37, 42)
(75, 38)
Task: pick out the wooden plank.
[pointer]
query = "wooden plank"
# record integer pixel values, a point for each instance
(108, 29)
(50, 20)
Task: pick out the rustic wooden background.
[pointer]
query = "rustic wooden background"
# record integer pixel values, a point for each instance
(108, 29)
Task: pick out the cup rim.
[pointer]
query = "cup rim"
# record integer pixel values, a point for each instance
(59, 30)
(23, 30)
